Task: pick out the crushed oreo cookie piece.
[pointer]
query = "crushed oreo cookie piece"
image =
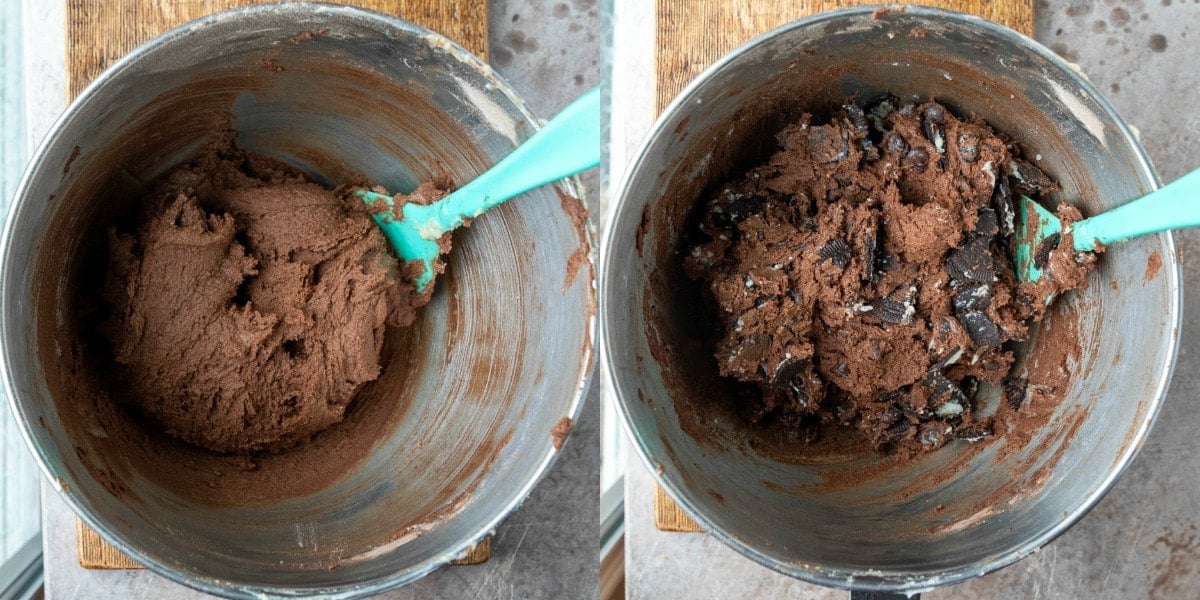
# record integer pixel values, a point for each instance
(857, 118)
(893, 143)
(742, 207)
(981, 329)
(843, 148)
(889, 311)
(870, 152)
(932, 123)
(917, 159)
(880, 112)
(886, 262)
(968, 147)
(799, 394)
(934, 113)
(784, 370)
(971, 263)
(942, 391)
(1014, 389)
(1002, 201)
(1029, 179)
(836, 252)
(894, 433)
(1042, 255)
(970, 387)
(973, 432)
(972, 297)
(869, 246)
(721, 218)
(891, 397)
(945, 343)
(932, 435)
(987, 224)
(825, 150)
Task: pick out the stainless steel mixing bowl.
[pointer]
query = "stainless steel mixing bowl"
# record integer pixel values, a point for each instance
(457, 430)
(929, 523)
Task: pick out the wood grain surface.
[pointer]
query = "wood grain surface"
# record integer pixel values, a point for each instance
(669, 517)
(99, 32)
(693, 34)
(95, 553)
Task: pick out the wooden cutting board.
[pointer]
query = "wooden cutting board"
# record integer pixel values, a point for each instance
(693, 34)
(101, 31)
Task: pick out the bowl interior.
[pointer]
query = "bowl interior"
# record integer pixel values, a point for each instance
(965, 509)
(456, 430)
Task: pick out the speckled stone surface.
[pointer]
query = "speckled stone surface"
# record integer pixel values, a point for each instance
(549, 548)
(1143, 539)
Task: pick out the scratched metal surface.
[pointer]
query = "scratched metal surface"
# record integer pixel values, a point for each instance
(1143, 539)
(549, 52)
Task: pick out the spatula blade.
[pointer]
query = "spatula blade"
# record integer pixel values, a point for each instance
(1036, 227)
(404, 235)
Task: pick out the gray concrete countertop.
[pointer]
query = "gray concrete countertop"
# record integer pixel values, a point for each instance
(1143, 539)
(550, 52)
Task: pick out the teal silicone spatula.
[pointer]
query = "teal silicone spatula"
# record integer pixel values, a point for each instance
(568, 144)
(1174, 206)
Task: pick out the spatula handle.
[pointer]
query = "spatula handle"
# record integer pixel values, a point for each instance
(1174, 206)
(568, 144)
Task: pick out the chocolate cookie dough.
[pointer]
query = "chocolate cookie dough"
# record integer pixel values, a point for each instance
(860, 277)
(248, 305)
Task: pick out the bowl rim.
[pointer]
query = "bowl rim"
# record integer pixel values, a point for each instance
(212, 585)
(871, 579)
